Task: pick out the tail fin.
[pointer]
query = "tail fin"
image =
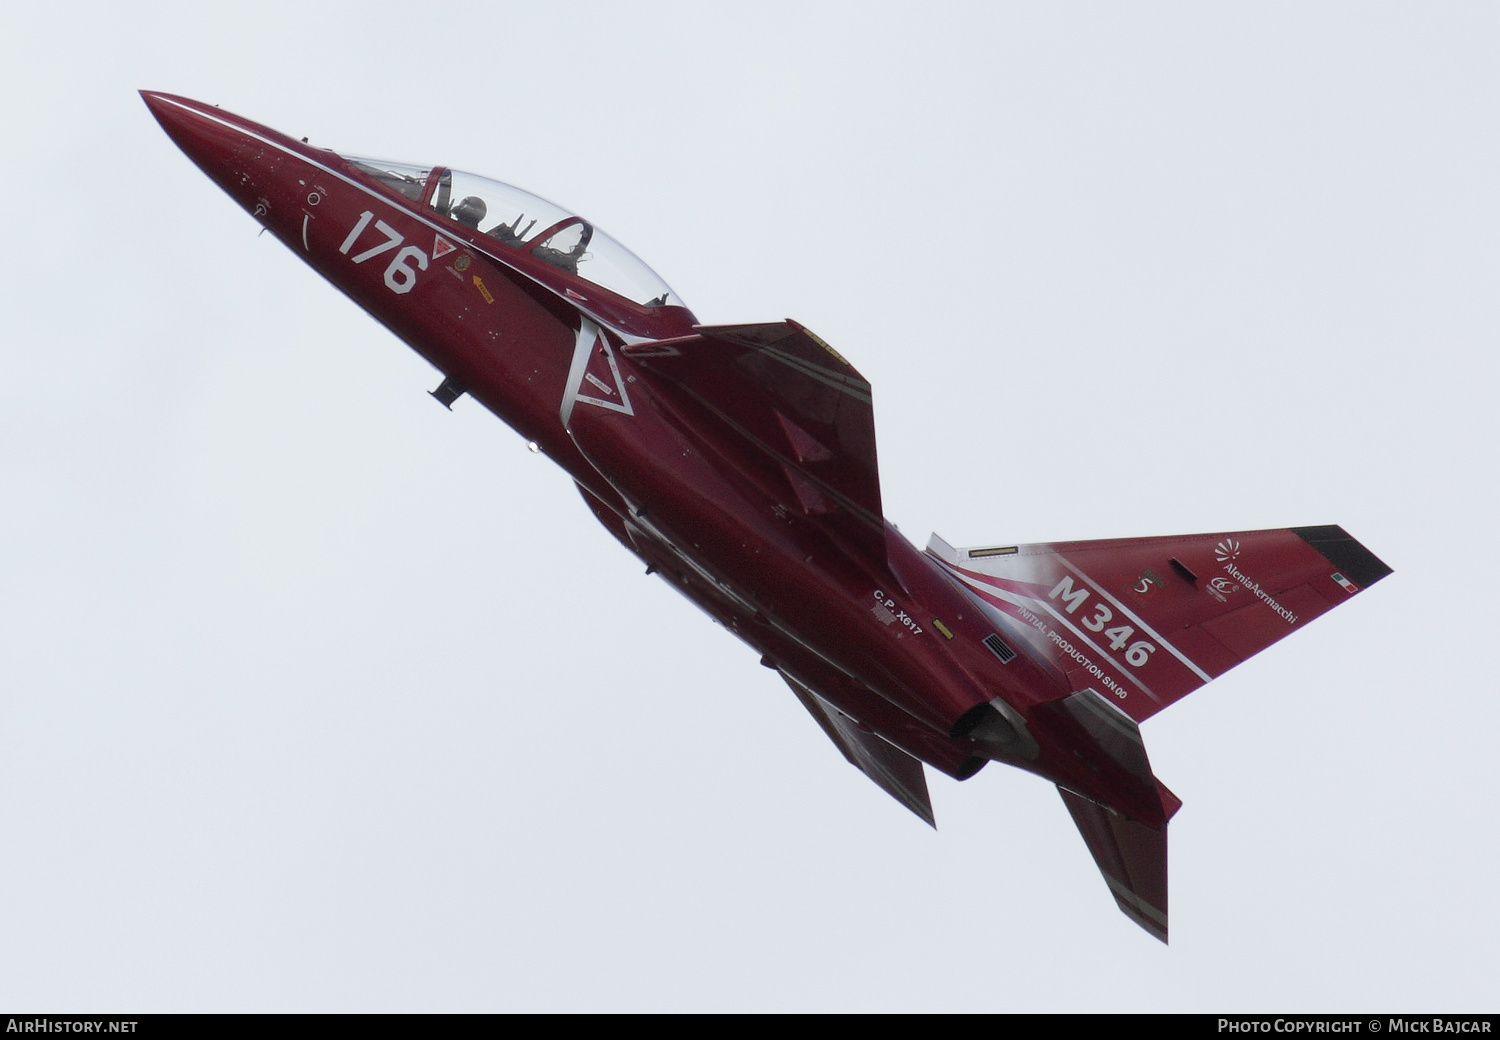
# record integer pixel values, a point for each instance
(1132, 858)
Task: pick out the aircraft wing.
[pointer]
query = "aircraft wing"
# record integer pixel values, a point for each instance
(804, 411)
(1131, 856)
(1149, 620)
(896, 772)
(893, 770)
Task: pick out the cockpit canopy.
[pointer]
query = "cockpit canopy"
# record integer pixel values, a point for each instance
(526, 222)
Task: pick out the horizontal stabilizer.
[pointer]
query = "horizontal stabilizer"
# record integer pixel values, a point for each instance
(893, 770)
(1132, 858)
(1149, 620)
(803, 410)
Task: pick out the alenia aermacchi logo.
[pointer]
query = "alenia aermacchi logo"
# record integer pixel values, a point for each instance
(1226, 553)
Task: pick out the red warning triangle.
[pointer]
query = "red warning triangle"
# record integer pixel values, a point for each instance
(441, 246)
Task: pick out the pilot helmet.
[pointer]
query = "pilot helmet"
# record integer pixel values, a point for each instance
(469, 211)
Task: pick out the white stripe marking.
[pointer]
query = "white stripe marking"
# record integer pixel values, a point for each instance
(1027, 602)
(588, 335)
(1122, 892)
(1133, 617)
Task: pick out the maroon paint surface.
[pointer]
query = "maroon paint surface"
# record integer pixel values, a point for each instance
(739, 463)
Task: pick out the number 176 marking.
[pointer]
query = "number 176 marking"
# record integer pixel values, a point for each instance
(400, 277)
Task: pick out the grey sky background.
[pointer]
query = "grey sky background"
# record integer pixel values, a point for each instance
(314, 696)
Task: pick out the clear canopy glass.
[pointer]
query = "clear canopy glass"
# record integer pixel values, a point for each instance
(404, 178)
(527, 222)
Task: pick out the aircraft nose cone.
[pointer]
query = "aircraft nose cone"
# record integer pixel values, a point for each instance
(182, 119)
(153, 99)
(171, 117)
(221, 144)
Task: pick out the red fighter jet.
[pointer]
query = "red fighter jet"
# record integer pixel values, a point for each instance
(738, 462)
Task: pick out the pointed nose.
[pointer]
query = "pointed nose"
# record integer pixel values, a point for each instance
(233, 152)
(173, 113)
(191, 124)
(155, 100)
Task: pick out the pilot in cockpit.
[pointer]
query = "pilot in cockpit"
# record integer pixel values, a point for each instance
(469, 211)
(568, 259)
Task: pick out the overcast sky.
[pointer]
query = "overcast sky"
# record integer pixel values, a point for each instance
(314, 696)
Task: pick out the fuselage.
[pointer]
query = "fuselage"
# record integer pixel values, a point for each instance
(888, 636)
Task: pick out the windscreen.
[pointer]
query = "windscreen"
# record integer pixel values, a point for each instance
(403, 178)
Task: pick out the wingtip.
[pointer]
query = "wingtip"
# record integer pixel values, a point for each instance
(1131, 857)
(1150, 919)
(1345, 552)
(925, 814)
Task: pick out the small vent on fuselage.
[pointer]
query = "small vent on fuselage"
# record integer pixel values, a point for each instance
(999, 648)
(999, 550)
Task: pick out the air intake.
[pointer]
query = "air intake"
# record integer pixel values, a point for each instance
(999, 648)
